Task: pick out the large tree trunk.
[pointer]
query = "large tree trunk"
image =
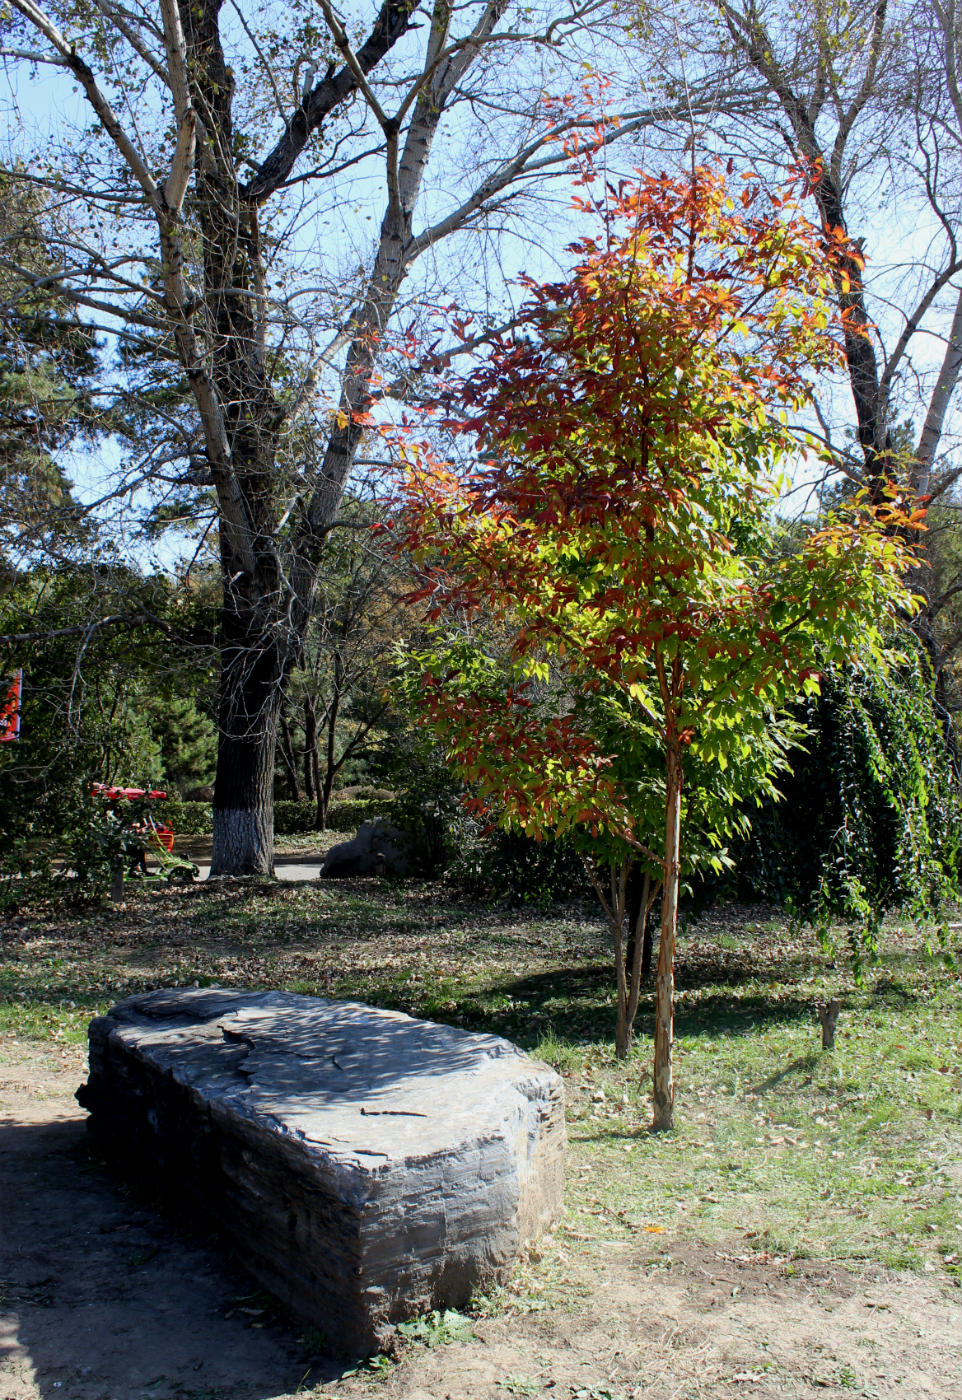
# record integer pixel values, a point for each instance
(249, 704)
(663, 1090)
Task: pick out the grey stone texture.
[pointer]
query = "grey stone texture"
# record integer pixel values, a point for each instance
(367, 1166)
(378, 849)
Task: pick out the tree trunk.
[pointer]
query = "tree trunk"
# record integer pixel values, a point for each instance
(663, 1090)
(618, 886)
(326, 786)
(647, 948)
(286, 749)
(310, 749)
(244, 805)
(639, 898)
(249, 704)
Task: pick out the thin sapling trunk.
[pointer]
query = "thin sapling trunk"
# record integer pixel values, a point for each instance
(663, 1089)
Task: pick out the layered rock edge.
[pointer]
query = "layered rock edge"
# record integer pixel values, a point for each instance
(367, 1166)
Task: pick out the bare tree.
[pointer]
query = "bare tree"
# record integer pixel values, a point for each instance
(864, 98)
(217, 201)
(858, 94)
(339, 695)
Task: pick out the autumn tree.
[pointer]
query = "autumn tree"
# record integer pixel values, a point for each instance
(619, 518)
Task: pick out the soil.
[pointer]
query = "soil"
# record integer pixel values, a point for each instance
(103, 1298)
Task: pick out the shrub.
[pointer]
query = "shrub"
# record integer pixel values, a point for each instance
(348, 815)
(296, 818)
(509, 868)
(187, 818)
(291, 818)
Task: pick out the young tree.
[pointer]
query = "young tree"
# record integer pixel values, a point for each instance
(619, 521)
(246, 192)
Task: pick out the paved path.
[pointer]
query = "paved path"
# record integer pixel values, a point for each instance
(293, 868)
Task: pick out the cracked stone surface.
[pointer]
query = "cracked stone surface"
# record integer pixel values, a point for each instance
(367, 1166)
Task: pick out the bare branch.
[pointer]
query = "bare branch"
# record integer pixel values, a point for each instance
(393, 21)
(84, 75)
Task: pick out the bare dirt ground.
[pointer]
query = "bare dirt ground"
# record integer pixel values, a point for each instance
(102, 1298)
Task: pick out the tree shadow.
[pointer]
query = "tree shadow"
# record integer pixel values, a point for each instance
(577, 1005)
(104, 1295)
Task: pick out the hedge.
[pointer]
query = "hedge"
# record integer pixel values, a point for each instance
(290, 818)
(187, 818)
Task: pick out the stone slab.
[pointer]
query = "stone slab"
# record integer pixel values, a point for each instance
(366, 1165)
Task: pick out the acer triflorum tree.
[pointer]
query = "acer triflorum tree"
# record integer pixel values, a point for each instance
(618, 524)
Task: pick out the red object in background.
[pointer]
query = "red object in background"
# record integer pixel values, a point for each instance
(119, 794)
(164, 836)
(10, 710)
(153, 832)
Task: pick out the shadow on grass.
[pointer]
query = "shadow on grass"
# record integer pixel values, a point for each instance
(577, 1006)
(804, 1064)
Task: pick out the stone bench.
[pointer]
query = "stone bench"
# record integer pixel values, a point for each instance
(367, 1166)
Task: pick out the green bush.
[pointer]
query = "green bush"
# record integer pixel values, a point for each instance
(364, 792)
(187, 818)
(66, 846)
(291, 818)
(348, 815)
(295, 818)
(508, 868)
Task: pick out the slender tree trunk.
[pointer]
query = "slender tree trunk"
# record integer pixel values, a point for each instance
(325, 787)
(626, 937)
(647, 948)
(663, 1090)
(635, 883)
(310, 749)
(638, 910)
(288, 759)
(618, 884)
(641, 897)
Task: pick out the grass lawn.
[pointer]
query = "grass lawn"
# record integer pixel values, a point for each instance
(850, 1155)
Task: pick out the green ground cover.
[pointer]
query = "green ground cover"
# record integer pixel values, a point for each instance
(852, 1154)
